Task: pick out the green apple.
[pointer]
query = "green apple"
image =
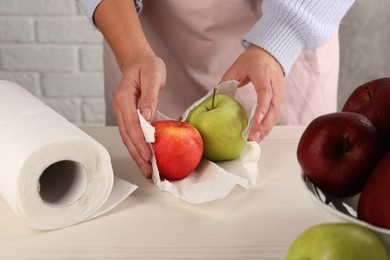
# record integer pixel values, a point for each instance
(337, 241)
(220, 119)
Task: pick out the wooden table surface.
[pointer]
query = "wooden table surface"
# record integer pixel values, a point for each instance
(259, 223)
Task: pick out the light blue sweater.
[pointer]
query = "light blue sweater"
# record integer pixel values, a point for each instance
(286, 28)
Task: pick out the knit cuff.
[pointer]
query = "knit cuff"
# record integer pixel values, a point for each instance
(277, 39)
(287, 28)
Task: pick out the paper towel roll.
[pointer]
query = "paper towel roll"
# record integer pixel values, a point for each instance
(52, 174)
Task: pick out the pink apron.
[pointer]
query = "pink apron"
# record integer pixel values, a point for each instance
(199, 40)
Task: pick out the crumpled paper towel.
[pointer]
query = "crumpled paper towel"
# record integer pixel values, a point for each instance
(52, 174)
(210, 180)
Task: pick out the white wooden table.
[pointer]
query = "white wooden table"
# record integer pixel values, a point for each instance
(259, 223)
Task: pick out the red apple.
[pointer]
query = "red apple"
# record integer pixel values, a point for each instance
(372, 99)
(338, 151)
(374, 201)
(178, 148)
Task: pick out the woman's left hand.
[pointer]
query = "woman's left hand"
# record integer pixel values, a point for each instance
(266, 74)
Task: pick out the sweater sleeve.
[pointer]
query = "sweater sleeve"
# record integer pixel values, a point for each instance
(90, 6)
(289, 27)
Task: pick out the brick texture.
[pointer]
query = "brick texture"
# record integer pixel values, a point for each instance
(50, 48)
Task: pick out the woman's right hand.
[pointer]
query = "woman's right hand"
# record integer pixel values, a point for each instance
(142, 79)
(143, 75)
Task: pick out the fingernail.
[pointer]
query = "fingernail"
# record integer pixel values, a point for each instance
(256, 137)
(144, 171)
(143, 154)
(260, 118)
(146, 114)
(148, 175)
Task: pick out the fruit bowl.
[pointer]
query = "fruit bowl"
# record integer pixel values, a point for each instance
(336, 209)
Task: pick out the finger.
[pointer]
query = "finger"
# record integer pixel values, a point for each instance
(131, 132)
(152, 80)
(263, 86)
(265, 121)
(143, 164)
(264, 93)
(260, 131)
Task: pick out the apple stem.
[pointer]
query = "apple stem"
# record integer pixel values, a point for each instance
(346, 144)
(212, 103)
(368, 92)
(179, 121)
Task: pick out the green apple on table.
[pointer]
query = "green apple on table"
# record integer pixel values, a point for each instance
(337, 241)
(221, 120)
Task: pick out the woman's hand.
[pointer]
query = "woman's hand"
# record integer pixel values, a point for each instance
(259, 67)
(141, 82)
(143, 75)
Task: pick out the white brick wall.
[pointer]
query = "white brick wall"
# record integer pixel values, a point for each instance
(50, 48)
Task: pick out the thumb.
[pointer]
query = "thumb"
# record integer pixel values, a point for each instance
(235, 74)
(148, 103)
(152, 79)
(148, 100)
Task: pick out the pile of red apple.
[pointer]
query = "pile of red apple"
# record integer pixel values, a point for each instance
(346, 153)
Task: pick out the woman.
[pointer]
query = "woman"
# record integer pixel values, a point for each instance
(174, 51)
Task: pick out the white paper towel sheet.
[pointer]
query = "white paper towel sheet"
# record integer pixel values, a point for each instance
(210, 180)
(52, 174)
